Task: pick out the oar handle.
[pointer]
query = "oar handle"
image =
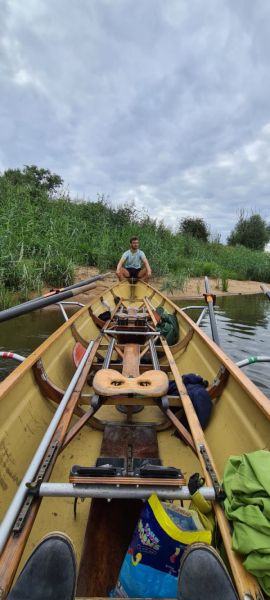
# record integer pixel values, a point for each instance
(210, 301)
(22, 309)
(50, 298)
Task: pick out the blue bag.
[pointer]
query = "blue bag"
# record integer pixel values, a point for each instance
(151, 565)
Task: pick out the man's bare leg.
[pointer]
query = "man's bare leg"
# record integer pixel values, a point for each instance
(124, 274)
(143, 275)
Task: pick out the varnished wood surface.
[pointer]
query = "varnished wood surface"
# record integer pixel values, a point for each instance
(108, 382)
(108, 533)
(120, 481)
(131, 360)
(118, 439)
(111, 524)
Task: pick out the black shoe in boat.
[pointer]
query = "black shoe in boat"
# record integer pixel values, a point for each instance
(202, 574)
(49, 573)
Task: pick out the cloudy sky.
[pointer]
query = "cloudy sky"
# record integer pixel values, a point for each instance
(162, 102)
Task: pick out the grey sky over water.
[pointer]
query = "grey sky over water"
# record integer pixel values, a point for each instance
(162, 102)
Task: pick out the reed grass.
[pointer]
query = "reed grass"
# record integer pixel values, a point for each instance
(172, 283)
(6, 298)
(42, 239)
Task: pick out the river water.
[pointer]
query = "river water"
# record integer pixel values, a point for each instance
(23, 334)
(243, 324)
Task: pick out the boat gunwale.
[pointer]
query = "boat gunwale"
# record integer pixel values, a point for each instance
(36, 355)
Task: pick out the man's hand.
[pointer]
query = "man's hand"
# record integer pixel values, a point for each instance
(147, 267)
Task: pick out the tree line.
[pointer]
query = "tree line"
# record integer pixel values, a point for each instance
(45, 235)
(250, 231)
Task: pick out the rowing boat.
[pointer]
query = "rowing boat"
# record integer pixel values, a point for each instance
(82, 412)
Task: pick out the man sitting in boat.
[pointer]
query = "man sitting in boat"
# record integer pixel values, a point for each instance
(133, 263)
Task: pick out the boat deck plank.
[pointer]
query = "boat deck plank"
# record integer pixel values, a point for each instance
(110, 525)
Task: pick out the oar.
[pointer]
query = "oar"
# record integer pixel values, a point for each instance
(209, 298)
(50, 298)
(266, 291)
(86, 281)
(12, 546)
(246, 584)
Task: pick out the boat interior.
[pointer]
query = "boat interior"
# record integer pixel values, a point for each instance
(121, 436)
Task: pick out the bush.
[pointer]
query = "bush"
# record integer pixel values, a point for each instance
(199, 268)
(194, 227)
(58, 272)
(252, 232)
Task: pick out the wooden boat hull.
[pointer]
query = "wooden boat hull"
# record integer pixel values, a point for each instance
(28, 399)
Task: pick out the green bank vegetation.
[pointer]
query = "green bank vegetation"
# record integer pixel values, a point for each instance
(45, 234)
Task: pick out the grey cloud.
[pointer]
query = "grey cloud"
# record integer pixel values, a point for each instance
(161, 102)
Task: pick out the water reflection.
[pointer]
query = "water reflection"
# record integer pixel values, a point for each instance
(244, 330)
(250, 310)
(23, 334)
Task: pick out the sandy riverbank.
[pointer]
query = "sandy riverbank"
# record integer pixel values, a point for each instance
(194, 287)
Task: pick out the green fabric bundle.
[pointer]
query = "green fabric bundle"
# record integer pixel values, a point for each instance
(168, 326)
(247, 487)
